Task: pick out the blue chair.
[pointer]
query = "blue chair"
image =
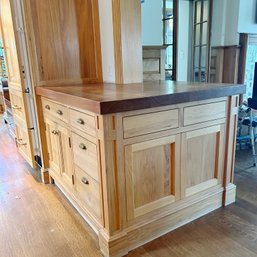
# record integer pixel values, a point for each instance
(251, 122)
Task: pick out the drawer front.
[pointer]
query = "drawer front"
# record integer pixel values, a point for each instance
(24, 144)
(88, 191)
(205, 112)
(151, 122)
(85, 155)
(56, 110)
(83, 121)
(18, 108)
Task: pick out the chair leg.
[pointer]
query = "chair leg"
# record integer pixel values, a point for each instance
(252, 133)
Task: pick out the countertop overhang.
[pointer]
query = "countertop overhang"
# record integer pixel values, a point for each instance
(106, 98)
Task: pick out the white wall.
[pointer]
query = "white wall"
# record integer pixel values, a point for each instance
(224, 22)
(218, 21)
(247, 17)
(232, 15)
(152, 22)
(183, 39)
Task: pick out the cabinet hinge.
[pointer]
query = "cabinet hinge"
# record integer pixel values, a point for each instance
(72, 177)
(69, 142)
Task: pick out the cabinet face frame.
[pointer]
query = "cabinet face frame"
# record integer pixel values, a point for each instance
(217, 132)
(173, 144)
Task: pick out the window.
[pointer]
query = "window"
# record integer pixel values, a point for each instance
(201, 41)
(169, 37)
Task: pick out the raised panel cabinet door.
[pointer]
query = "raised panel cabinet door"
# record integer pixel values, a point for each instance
(53, 146)
(23, 137)
(18, 108)
(66, 155)
(9, 43)
(152, 175)
(202, 159)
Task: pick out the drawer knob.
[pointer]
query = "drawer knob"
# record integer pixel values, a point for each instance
(80, 121)
(85, 181)
(19, 141)
(82, 146)
(59, 112)
(47, 107)
(16, 107)
(55, 132)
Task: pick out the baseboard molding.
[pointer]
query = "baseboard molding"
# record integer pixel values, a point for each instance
(230, 194)
(121, 244)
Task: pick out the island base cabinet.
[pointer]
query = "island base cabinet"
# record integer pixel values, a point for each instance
(133, 187)
(202, 155)
(151, 173)
(59, 151)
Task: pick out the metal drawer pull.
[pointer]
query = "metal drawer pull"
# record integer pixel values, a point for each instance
(85, 181)
(55, 132)
(59, 112)
(16, 107)
(82, 146)
(19, 142)
(80, 121)
(47, 107)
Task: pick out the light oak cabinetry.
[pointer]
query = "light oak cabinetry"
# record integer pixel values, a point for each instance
(203, 155)
(139, 174)
(17, 85)
(152, 174)
(73, 158)
(64, 41)
(59, 150)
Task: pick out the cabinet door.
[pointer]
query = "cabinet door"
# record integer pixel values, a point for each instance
(12, 63)
(202, 159)
(22, 141)
(53, 146)
(16, 82)
(152, 171)
(66, 155)
(18, 108)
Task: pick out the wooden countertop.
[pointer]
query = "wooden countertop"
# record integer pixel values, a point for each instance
(111, 98)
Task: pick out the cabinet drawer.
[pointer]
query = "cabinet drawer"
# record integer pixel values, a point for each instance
(23, 143)
(56, 110)
(83, 121)
(85, 155)
(18, 108)
(151, 122)
(88, 191)
(204, 112)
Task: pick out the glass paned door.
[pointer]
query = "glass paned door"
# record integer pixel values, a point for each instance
(169, 23)
(201, 41)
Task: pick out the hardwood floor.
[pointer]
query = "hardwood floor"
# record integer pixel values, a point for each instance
(36, 220)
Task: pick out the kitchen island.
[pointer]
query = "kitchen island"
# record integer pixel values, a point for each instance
(140, 160)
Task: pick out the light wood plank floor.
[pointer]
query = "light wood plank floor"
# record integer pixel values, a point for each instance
(37, 221)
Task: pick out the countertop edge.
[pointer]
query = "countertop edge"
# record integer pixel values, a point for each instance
(125, 105)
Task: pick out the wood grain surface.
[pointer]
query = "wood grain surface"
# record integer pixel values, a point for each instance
(107, 98)
(36, 220)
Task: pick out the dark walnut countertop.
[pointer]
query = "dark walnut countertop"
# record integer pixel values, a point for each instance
(111, 98)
